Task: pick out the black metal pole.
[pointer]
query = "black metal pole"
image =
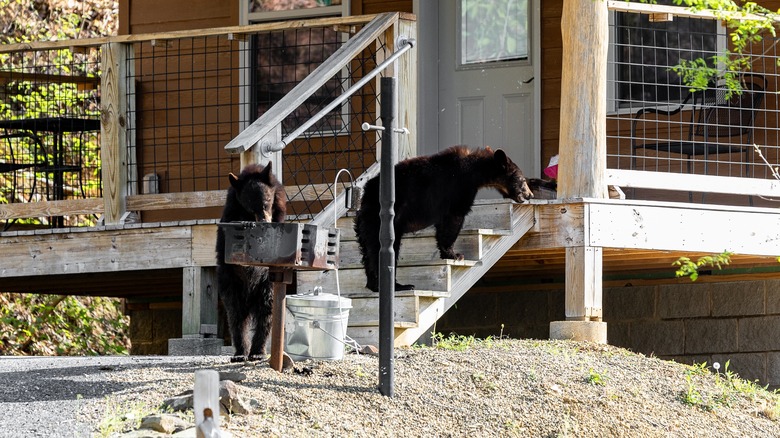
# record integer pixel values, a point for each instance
(387, 237)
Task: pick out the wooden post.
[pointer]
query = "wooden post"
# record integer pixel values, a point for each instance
(582, 150)
(280, 278)
(254, 154)
(583, 156)
(583, 283)
(113, 130)
(199, 302)
(406, 74)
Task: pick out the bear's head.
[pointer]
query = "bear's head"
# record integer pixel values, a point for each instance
(256, 191)
(510, 180)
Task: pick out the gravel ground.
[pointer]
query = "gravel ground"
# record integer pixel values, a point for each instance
(521, 388)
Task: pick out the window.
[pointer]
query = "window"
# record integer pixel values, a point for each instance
(492, 31)
(281, 59)
(643, 53)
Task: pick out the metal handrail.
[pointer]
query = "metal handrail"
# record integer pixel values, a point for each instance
(403, 42)
(258, 132)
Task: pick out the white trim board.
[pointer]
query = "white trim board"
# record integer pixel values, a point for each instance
(677, 228)
(693, 182)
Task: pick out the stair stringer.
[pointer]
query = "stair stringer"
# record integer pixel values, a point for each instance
(523, 220)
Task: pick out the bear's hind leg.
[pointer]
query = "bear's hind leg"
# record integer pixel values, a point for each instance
(237, 320)
(447, 232)
(261, 309)
(231, 292)
(397, 249)
(367, 229)
(262, 330)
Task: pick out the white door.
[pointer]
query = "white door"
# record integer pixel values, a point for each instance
(486, 84)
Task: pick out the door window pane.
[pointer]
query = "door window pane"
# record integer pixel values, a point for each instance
(492, 31)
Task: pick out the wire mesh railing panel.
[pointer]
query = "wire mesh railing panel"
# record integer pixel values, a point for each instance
(184, 101)
(657, 121)
(336, 141)
(192, 96)
(50, 129)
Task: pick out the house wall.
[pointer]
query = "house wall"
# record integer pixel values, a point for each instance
(683, 321)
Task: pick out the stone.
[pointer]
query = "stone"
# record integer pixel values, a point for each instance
(370, 350)
(195, 346)
(759, 334)
(684, 300)
(661, 338)
(738, 298)
(230, 399)
(233, 376)
(710, 336)
(179, 403)
(164, 423)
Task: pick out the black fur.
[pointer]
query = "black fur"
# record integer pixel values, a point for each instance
(436, 190)
(246, 293)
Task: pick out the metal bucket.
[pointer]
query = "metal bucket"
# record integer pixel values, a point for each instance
(315, 326)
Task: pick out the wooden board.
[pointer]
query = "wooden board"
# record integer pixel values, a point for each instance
(97, 251)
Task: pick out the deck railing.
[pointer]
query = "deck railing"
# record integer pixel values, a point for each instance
(166, 106)
(710, 145)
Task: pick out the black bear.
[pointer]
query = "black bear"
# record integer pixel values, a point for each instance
(255, 195)
(436, 190)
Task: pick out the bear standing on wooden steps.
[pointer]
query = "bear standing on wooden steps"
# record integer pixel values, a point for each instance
(255, 196)
(436, 190)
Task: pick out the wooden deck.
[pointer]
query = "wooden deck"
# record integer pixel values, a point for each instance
(640, 239)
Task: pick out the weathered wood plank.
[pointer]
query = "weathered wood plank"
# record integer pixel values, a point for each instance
(406, 72)
(583, 283)
(436, 277)
(51, 208)
(190, 33)
(365, 311)
(99, 251)
(204, 243)
(415, 250)
(199, 301)
(113, 130)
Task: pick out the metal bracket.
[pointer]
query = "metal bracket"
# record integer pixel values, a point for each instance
(369, 127)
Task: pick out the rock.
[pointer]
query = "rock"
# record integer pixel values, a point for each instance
(230, 399)
(164, 423)
(233, 376)
(370, 350)
(179, 403)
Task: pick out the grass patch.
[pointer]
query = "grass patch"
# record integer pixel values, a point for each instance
(121, 417)
(730, 387)
(596, 378)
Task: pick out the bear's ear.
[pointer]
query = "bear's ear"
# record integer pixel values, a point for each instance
(234, 181)
(501, 157)
(265, 174)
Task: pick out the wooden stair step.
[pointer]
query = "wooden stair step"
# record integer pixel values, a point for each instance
(417, 248)
(406, 309)
(347, 233)
(368, 331)
(430, 276)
